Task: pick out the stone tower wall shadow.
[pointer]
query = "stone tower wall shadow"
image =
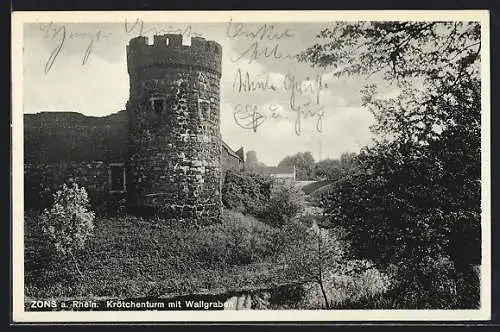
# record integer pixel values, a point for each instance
(174, 142)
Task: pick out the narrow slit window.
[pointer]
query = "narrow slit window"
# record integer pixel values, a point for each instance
(204, 109)
(117, 181)
(157, 104)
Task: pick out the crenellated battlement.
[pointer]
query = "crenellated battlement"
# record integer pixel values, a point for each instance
(167, 49)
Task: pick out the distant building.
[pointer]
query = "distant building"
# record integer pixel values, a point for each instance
(232, 160)
(286, 173)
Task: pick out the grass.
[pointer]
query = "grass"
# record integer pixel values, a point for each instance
(132, 257)
(129, 257)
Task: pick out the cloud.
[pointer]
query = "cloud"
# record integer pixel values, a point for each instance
(97, 88)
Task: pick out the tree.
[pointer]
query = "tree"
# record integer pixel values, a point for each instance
(303, 162)
(252, 164)
(415, 205)
(334, 169)
(327, 169)
(326, 255)
(69, 223)
(312, 255)
(348, 163)
(318, 255)
(434, 64)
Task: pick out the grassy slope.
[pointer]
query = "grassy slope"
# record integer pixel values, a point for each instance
(130, 257)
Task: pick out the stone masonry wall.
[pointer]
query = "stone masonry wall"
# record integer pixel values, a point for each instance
(174, 155)
(41, 180)
(53, 137)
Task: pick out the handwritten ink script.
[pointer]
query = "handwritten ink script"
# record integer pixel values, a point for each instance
(61, 35)
(311, 106)
(290, 95)
(252, 116)
(298, 95)
(263, 41)
(138, 28)
(303, 101)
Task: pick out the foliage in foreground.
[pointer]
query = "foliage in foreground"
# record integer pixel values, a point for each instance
(320, 258)
(131, 257)
(68, 224)
(414, 207)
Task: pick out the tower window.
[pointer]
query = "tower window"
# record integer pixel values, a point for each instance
(117, 178)
(157, 104)
(204, 109)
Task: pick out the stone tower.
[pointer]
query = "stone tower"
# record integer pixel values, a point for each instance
(174, 142)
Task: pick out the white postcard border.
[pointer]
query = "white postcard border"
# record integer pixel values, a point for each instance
(19, 315)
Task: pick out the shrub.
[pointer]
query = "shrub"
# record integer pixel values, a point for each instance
(69, 222)
(246, 192)
(285, 203)
(238, 240)
(313, 256)
(348, 290)
(433, 283)
(318, 258)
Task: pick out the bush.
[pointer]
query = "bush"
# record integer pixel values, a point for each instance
(69, 222)
(285, 203)
(238, 240)
(135, 257)
(434, 282)
(349, 290)
(246, 192)
(331, 278)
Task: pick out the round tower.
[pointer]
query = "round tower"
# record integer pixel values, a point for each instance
(174, 143)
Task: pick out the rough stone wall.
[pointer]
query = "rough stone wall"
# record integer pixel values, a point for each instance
(53, 137)
(174, 155)
(59, 146)
(41, 180)
(168, 50)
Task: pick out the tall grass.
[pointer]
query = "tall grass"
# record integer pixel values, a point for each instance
(133, 257)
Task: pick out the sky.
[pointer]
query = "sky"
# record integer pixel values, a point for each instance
(81, 67)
